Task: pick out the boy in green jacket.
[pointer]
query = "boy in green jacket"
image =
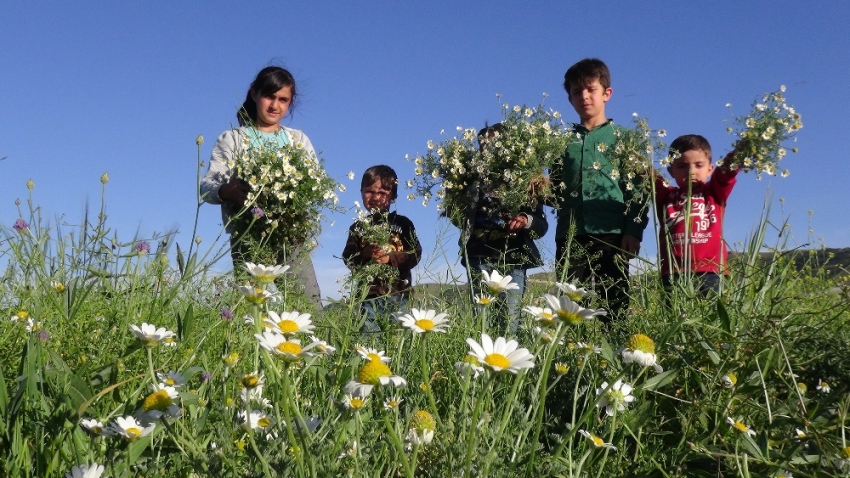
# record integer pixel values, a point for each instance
(598, 229)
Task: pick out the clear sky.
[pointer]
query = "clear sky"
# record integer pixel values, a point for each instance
(125, 88)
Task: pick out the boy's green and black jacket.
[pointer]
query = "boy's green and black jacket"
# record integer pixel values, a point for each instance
(589, 198)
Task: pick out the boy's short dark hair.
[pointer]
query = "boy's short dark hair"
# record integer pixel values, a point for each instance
(690, 142)
(486, 131)
(585, 71)
(382, 173)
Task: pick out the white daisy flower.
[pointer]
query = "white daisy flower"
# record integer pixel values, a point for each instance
(543, 315)
(596, 441)
(484, 299)
(370, 354)
(255, 295)
(265, 274)
(574, 292)
(374, 373)
(150, 335)
(497, 283)
(32, 326)
(256, 420)
(823, 386)
(588, 349)
(288, 350)
(615, 398)
(783, 474)
(392, 402)
(740, 426)
(161, 402)
(469, 365)
(729, 380)
(570, 312)
(253, 380)
(354, 402)
(500, 355)
(129, 428)
(351, 175)
(421, 321)
(321, 347)
(171, 379)
(420, 438)
(290, 323)
(640, 349)
(86, 471)
(95, 427)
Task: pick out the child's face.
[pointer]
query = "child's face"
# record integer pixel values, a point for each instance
(377, 196)
(272, 108)
(589, 100)
(692, 166)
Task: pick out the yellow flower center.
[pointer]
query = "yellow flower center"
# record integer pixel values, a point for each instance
(575, 297)
(422, 421)
(497, 360)
(59, 287)
(288, 326)
(357, 403)
(569, 317)
(732, 378)
(495, 288)
(471, 359)
(159, 400)
(614, 397)
(289, 348)
(641, 342)
(257, 297)
(802, 387)
(561, 368)
(741, 427)
(425, 324)
(485, 300)
(133, 433)
(264, 422)
(845, 452)
(547, 318)
(597, 441)
(372, 372)
(250, 381)
(23, 314)
(230, 360)
(265, 278)
(373, 357)
(392, 403)
(170, 381)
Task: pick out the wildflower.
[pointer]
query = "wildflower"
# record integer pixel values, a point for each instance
(341, 188)
(783, 474)
(615, 174)
(570, 312)
(255, 295)
(641, 350)
(30, 184)
(729, 380)
(662, 133)
(597, 442)
(785, 173)
(601, 147)
(95, 427)
(230, 360)
(85, 471)
(21, 314)
(142, 247)
(421, 428)
(371, 354)
(561, 368)
(354, 402)
(171, 379)
(823, 386)
(321, 347)
(484, 299)
(614, 398)
(150, 335)
(740, 426)
(351, 175)
(265, 274)
(226, 315)
(572, 291)
(546, 335)
(257, 212)
(500, 355)
(288, 350)
(129, 428)
(497, 283)
(290, 323)
(421, 321)
(588, 349)
(799, 434)
(372, 374)
(597, 165)
(391, 403)
(253, 380)
(802, 388)
(842, 459)
(256, 420)
(20, 225)
(161, 402)
(58, 286)
(32, 325)
(469, 365)
(543, 315)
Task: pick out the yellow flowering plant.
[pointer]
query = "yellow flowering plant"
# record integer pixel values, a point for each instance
(760, 135)
(510, 163)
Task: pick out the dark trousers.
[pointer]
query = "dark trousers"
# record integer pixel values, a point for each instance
(597, 261)
(704, 283)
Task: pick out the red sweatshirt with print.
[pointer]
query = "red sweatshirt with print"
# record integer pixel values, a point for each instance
(704, 246)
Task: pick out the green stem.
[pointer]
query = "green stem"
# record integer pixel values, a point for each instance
(290, 423)
(398, 446)
(610, 440)
(473, 427)
(426, 380)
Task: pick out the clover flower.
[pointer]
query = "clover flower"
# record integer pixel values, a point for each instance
(257, 212)
(20, 225)
(85, 471)
(290, 323)
(497, 283)
(150, 334)
(265, 274)
(129, 428)
(142, 247)
(596, 441)
(615, 398)
(374, 373)
(740, 426)
(501, 355)
(226, 315)
(422, 321)
(570, 312)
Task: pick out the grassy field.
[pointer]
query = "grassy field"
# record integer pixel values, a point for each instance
(752, 384)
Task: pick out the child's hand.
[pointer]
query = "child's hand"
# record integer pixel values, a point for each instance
(630, 244)
(378, 254)
(518, 223)
(235, 191)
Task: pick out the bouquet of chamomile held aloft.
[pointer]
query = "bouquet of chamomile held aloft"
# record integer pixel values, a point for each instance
(508, 161)
(762, 134)
(631, 158)
(289, 191)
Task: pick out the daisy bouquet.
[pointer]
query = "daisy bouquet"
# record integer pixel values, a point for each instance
(289, 190)
(509, 164)
(760, 135)
(374, 229)
(631, 158)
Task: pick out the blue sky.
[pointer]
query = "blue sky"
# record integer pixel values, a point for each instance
(125, 88)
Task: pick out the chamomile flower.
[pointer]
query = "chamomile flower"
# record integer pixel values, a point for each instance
(32, 325)
(573, 291)
(392, 403)
(543, 315)
(570, 312)
(370, 354)
(161, 402)
(615, 398)
(588, 349)
(374, 373)
(253, 380)
(729, 380)
(740, 426)
(354, 402)
(596, 441)
(85, 471)
(255, 295)
(799, 434)
(321, 347)
(640, 349)
(255, 420)
(842, 459)
(129, 428)
(783, 474)
(823, 386)
(95, 427)
(171, 379)
(150, 334)
(290, 323)
(484, 299)
(288, 350)
(497, 283)
(469, 365)
(501, 355)
(601, 147)
(422, 321)
(597, 165)
(20, 315)
(265, 274)
(802, 388)
(561, 368)
(421, 428)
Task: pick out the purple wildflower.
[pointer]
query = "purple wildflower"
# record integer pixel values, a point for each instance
(20, 225)
(142, 247)
(44, 336)
(206, 376)
(226, 315)
(257, 212)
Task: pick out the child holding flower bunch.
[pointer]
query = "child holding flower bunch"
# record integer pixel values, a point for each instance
(383, 247)
(691, 214)
(269, 99)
